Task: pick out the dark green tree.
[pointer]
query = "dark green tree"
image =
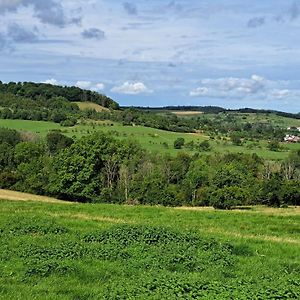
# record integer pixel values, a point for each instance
(179, 143)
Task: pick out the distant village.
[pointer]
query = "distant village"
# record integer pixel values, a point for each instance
(292, 138)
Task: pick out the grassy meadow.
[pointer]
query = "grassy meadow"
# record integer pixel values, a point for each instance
(59, 250)
(149, 138)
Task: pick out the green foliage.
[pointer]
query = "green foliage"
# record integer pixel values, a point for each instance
(25, 152)
(229, 197)
(100, 168)
(58, 117)
(89, 166)
(205, 146)
(6, 156)
(68, 122)
(9, 136)
(49, 91)
(179, 143)
(271, 190)
(274, 146)
(57, 142)
(290, 192)
(236, 140)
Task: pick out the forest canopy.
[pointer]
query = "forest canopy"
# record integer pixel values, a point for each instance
(48, 91)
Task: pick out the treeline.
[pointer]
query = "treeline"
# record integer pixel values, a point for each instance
(56, 109)
(264, 111)
(132, 117)
(98, 168)
(37, 91)
(204, 109)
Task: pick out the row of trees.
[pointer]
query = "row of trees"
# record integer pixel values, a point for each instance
(99, 168)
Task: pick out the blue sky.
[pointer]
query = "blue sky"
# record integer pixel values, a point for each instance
(233, 53)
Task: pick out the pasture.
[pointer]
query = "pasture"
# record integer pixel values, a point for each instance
(154, 140)
(101, 251)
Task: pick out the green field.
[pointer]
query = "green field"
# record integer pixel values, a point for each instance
(86, 251)
(149, 138)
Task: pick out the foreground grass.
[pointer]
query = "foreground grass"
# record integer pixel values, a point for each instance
(99, 251)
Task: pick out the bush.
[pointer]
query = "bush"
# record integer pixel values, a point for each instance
(274, 146)
(205, 146)
(7, 180)
(9, 136)
(69, 122)
(179, 143)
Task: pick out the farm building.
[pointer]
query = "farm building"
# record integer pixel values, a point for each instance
(292, 139)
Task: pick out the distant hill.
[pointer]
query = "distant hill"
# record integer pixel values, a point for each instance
(203, 109)
(216, 110)
(36, 91)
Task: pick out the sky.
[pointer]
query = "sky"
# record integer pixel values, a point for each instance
(230, 53)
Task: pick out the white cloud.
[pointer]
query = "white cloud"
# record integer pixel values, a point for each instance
(88, 85)
(280, 94)
(83, 84)
(200, 91)
(99, 86)
(133, 88)
(230, 87)
(51, 81)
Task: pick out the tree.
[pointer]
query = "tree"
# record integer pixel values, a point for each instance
(196, 177)
(179, 143)
(26, 152)
(6, 157)
(228, 175)
(58, 117)
(290, 192)
(271, 190)
(9, 136)
(228, 197)
(57, 142)
(87, 170)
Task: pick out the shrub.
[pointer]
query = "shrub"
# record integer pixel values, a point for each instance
(205, 146)
(179, 143)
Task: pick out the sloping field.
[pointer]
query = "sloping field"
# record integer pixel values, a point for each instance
(186, 113)
(91, 105)
(18, 196)
(149, 138)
